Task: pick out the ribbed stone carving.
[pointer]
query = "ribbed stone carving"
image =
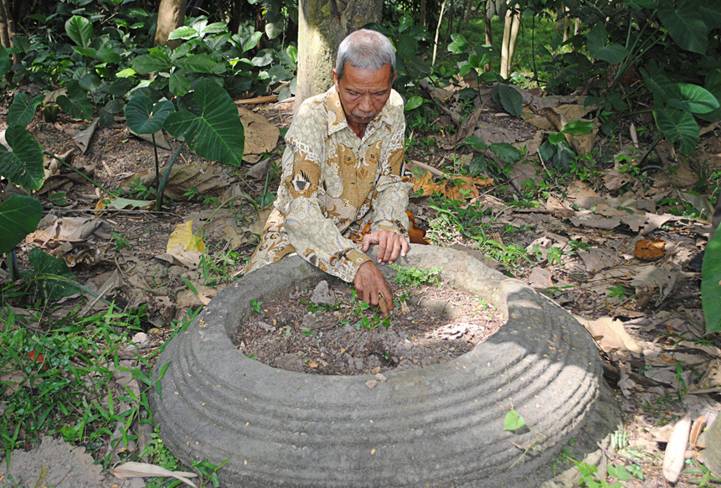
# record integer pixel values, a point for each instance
(439, 426)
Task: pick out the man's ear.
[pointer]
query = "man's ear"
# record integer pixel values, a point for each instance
(335, 78)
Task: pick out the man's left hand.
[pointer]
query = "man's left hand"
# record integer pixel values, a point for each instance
(391, 245)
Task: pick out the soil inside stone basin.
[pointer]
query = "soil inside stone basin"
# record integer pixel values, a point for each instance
(428, 325)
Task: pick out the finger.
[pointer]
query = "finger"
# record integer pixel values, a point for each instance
(387, 295)
(383, 304)
(396, 250)
(368, 240)
(389, 247)
(382, 244)
(404, 247)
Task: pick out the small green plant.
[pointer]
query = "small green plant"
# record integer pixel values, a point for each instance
(366, 318)
(217, 269)
(119, 240)
(256, 306)
(618, 292)
(554, 255)
(513, 421)
(411, 276)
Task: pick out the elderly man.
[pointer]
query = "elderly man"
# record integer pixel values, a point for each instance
(342, 171)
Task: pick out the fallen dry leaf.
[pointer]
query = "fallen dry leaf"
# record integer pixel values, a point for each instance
(674, 457)
(696, 430)
(69, 229)
(610, 334)
(185, 246)
(456, 187)
(655, 283)
(649, 250)
(145, 470)
(83, 137)
(260, 135)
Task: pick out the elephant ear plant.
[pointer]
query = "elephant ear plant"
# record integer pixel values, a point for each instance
(21, 164)
(206, 120)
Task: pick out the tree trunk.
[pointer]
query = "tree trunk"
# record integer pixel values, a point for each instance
(170, 17)
(322, 25)
(511, 24)
(424, 13)
(488, 37)
(7, 28)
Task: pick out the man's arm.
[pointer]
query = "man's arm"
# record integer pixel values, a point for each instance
(389, 227)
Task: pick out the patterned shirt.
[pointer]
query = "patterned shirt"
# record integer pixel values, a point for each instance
(332, 179)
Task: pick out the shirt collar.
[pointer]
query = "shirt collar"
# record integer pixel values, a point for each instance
(336, 116)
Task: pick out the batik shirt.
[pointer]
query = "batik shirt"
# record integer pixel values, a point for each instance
(334, 184)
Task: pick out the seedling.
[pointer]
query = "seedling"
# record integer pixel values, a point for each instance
(119, 240)
(256, 306)
(513, 421)
(411, 276)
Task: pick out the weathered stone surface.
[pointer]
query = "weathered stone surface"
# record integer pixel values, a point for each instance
(439, 426)
(322, 294)
(712, 453)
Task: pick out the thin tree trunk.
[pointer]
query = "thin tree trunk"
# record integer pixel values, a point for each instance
(511, 24)
(488, 37)
(7, 27)
(438, 30)
(322, 24)
(424, 13)
(170, 17)
(515, 26)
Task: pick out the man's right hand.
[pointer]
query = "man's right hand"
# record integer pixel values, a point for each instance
(373, 288)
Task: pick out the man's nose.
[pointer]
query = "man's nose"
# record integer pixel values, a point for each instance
(365, 104)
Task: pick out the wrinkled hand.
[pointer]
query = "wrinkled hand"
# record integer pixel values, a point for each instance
(373, 288)
(391, 245)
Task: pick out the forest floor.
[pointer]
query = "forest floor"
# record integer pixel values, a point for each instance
(615, 238)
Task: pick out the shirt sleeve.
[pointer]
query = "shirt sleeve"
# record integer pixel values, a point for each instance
(391, 202)
(314, 236)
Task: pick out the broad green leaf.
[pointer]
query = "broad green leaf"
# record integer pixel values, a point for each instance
(183, 32)
(51, 275)
(578, 127)
(619, 472)
(201, 63)
(475, 143)
(23, 165)
(146, 64)
(413, 103)
(458, 45)
(126, 73)
(108, 54)
(77, 106)
(696, 99)
(711, 283)
(713, 85)
(686, 27)
(179, 84)
(506, 152)
(213, 129)
(215, 28)
(274, 29)
(600, 48)
(640, 4)
(678, 127)
(80, 30)
(556, 138)
(5, 61)
(251, 42)
(22, 110)
(19, 216)
(509, 98)
(146, 116)
(263, 59)
(513, 421)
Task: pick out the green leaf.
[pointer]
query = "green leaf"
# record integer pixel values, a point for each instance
(213, 129)
(126, 73)
(711, 283)
(179, 84)
(458, 45)
(22, 110)
(183, 32)
(509, 98)
(578, 127)
(600, 48)
(251, 42)
(51, 275)
(556, 138)
(23, 165)
(19, 216)
(619, 473)
(413, 103)
(686, 27)
(697, 99)
(147, 64)
(475, 143)
(513, 421)
(5, 61)
(506, 152)
(80, 30)
(678, 127)
(215, 28)
(713, 85)
(78, 106)
(146, 116)
(200, 63)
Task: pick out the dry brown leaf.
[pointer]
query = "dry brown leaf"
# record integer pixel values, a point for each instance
(610, 334)
(200, 178)
(586, 218)
(540, 278)
(655, 283)
(260, 135)
(674, 457)
(710, 382)
(457, 187)
(145, 470)
(83, 137)
(425, 186)
(185, 246)
(712, 453)
(160, 140)
(696, 430)
(597, 259)
(257, 226)
(649, 250)
(69, 229)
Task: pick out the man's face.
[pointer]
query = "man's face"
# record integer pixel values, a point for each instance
(363, 92)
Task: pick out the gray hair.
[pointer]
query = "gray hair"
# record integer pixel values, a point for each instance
(365, 49)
